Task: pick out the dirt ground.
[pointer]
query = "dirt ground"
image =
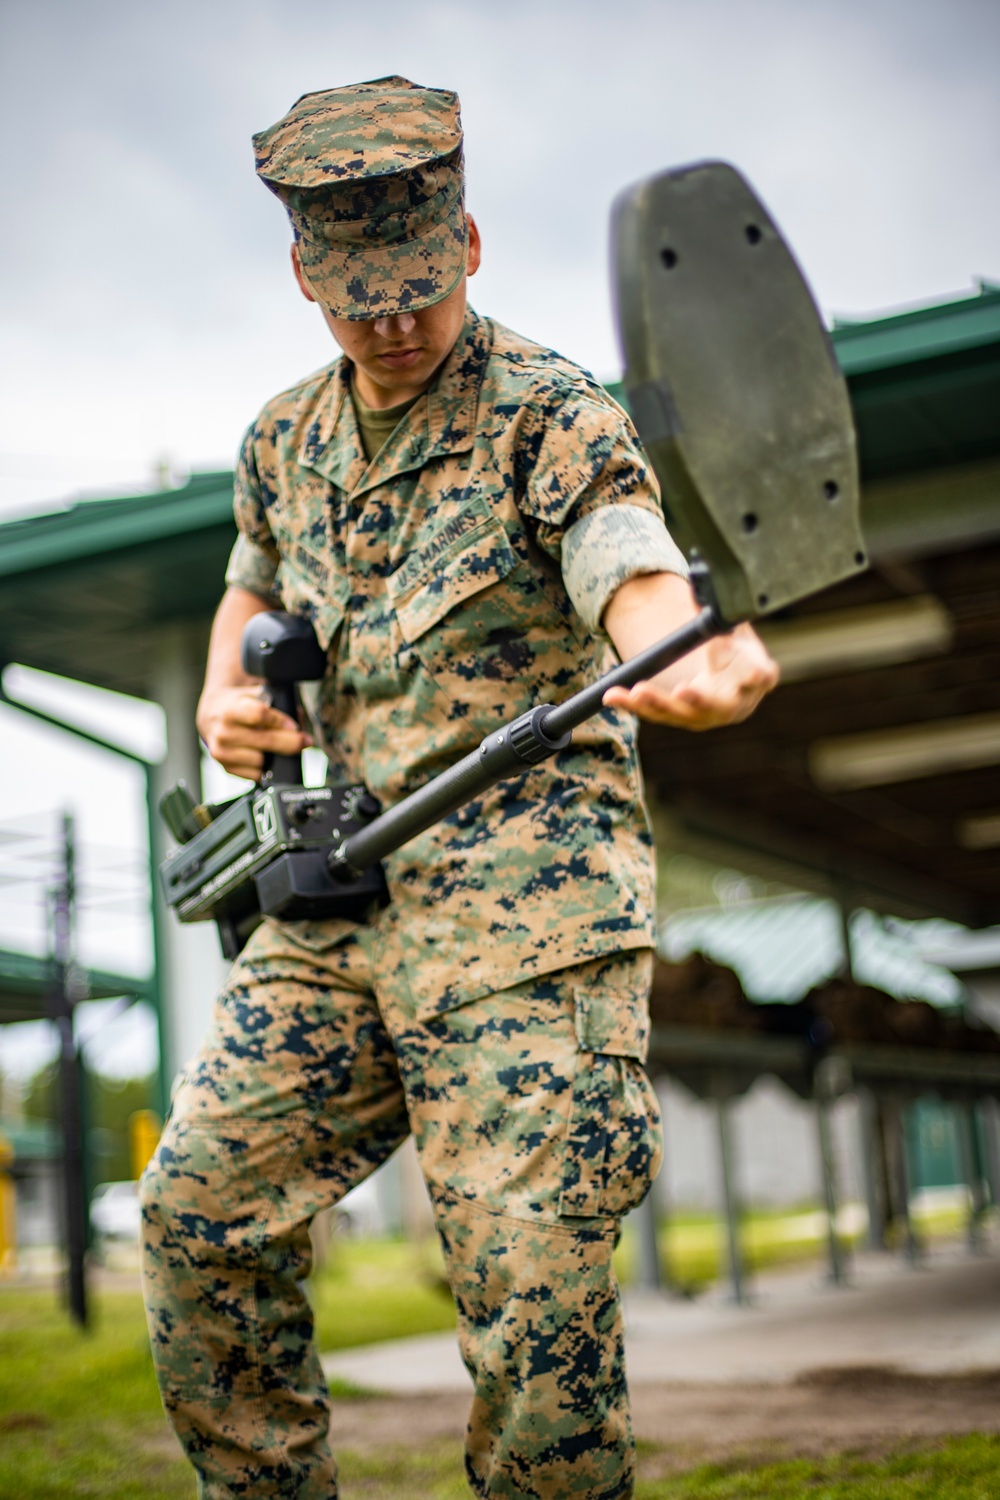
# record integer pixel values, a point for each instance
(868, 1411)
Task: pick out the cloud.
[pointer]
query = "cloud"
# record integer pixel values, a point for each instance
(148, 307)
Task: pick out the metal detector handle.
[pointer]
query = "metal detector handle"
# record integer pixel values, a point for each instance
(282, 649)
(526, 741)
(286, 769)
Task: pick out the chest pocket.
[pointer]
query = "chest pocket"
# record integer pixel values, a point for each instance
(473, 617)
(434, 582)
(312, 587)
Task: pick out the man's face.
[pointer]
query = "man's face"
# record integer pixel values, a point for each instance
(396, 358)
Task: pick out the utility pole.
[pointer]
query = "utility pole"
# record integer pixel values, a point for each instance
(70, 1114)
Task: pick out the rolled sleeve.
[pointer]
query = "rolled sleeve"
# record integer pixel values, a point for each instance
(251, 568)
(594, 504)
(607, 547)
(253, 562)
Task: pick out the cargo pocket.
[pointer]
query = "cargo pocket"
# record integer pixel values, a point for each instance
(316, 936)
(284, 947)
(613, 1141)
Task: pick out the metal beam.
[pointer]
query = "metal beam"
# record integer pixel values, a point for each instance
(938, 510)
(749, 841)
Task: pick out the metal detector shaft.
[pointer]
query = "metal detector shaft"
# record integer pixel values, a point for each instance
(588, 700)
(524, 742)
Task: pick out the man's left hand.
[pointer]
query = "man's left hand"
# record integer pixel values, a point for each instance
(720, 683)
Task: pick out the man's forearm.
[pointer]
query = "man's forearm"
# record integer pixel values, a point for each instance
(647, 608)
(719, 683)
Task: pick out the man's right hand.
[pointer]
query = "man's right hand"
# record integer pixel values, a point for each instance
(238, 726)
(234, 717)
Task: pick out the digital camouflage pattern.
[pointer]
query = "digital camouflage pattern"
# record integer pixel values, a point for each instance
(536, 1127)
(372, 179)
(497, 1006)
(457, 581)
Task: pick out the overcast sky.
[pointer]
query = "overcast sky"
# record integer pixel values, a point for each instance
(146, 305)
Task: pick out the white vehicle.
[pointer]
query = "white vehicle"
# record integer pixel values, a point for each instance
(114, 1211)
(360, 1212)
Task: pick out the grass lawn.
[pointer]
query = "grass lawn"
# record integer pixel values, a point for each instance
(692, 1254)
(369, 1290)
(80, 1414)
(80, 1417)
(960, 1469)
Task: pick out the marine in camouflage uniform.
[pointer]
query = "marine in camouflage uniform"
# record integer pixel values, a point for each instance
(497, 1007)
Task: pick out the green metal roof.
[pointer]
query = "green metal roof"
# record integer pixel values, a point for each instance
(32, 1140)
(26, 985)
(925, 386)
(922, 333)
(89, 528)
(88, 588)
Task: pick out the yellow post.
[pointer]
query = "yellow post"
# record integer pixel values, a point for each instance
(143, 1135)
(8, 1210)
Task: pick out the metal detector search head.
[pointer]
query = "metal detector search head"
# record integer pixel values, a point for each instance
(735, 389)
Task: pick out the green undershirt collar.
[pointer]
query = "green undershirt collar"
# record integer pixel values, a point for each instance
(377, 424)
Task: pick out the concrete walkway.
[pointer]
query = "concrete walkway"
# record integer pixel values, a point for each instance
(941, 1318)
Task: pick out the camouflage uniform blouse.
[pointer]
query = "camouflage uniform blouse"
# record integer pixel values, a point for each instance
(457, 581)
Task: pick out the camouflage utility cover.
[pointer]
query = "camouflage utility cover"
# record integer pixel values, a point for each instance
(372, 178)
(457, 581)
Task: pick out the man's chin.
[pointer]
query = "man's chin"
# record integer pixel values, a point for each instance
(408, 380)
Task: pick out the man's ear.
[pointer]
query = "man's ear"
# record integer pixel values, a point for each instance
(475, 248)
(300, 276)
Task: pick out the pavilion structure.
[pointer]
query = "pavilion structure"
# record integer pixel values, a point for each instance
(870, 774)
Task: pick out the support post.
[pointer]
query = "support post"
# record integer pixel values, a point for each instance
(899, 1174)
(731, 1207)
(190, 966)
(158, 922)
(643, 1220)
(873, 1167)
(846, 953)
(991, 1130)
(826, 1090)
(70, 1111)
(8, 1211)
(972, 1172)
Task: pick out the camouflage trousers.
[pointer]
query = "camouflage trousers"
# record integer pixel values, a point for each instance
(536, 1128)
